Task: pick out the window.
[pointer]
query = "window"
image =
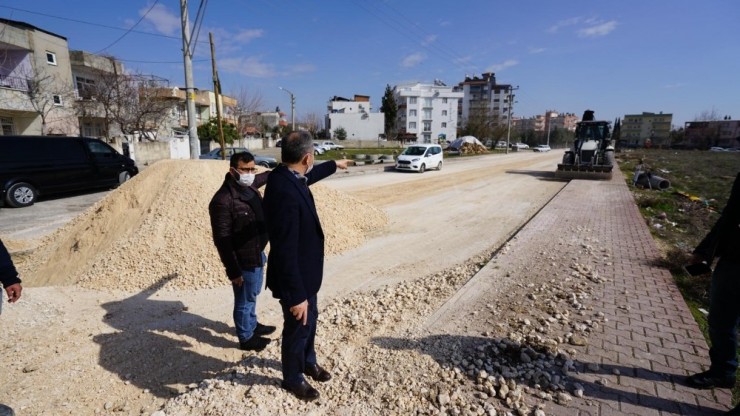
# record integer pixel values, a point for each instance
(412, 125)
(427, 138)
(100, 149)
(57, 99)
(6, 126)
(444, 125)
(412, 113)
(85, 87)
(427, 126)
(427, 114)
(51, 58)
(444, 101)
(444, 113)
(412, 100)
(427, 102)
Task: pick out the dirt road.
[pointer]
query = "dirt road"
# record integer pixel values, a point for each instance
(76, 351)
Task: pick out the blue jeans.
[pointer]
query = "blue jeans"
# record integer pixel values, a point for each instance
(245, 302)
(724, 316)
(298, 342)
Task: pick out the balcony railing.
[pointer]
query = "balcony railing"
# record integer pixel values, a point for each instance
(14, 83)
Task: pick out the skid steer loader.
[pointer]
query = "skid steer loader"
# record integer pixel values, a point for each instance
(592, 154)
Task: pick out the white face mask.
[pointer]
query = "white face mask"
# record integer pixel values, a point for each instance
(246, 179)
(310, 167)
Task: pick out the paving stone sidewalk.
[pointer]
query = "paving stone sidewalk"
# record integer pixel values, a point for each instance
(650, 342)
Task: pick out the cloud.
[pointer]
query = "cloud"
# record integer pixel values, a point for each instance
(536, 50)
(429, 40)
(500, 67)
(564, 23)
(250, 67)
(413, 60)
(163, 20)
(600, 29)
(246, 35)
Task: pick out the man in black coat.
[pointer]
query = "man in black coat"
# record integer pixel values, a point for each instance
(9, 276)
(240, 236)
(296, 263)
(723, 241)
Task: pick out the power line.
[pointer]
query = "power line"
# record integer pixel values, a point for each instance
(131, 28)
(93, 23)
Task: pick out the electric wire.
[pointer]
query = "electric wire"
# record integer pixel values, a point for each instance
(131, 28)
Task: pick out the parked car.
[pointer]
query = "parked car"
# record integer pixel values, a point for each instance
(31, 166)
(319, 149)
(717, 149)
(501, 144)
(264, 161)
(519, 146)
(541, 148)
(420, 157)
(332, 146)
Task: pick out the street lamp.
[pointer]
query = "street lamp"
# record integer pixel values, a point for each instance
(508, 118)
(292, 108)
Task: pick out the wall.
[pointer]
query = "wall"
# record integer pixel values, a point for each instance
(357, 127)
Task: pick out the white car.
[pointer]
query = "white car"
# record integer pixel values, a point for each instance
(332, 146)
(420, 157)
(520, 146)
(541, 148)
(319, 149)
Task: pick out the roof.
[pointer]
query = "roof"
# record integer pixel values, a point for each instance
(24, 25)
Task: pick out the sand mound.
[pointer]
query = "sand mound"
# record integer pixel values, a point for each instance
(156, 226)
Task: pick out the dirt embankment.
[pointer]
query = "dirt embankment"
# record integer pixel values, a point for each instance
(156, 227)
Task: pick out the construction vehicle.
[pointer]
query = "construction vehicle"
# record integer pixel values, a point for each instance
(592, 154)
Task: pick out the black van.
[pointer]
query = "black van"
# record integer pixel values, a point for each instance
(39, 165)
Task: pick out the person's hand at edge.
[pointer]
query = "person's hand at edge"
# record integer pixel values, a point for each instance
(14, 292)
(238, 282)
(300, 311)
(343, 163)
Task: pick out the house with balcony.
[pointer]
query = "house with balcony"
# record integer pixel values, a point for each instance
(36, 86)
(716, 133)
(646, 129)
(483, 97)
(355, 116)
(427, 113)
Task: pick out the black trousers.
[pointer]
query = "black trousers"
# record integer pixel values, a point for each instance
(298, 342)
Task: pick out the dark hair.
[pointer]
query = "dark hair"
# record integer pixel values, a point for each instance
(245, 157)
(296, 145)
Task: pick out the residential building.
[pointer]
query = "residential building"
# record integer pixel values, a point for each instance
(483, 97)
(261, 123)
(36, 87)
(355, 116)
(551, 120)
(717, 133)
(205, 108)
(427, 112)
(88, 71)
(646, 129)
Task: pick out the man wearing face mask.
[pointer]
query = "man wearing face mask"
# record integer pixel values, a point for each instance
(296, 264)
(240, 236)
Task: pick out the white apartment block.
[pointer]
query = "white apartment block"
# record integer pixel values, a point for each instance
(355, 116)
(428, 111)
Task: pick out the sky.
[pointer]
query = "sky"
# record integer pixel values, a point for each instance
(614, 57)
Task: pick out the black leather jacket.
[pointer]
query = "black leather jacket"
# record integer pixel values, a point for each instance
(723, 240)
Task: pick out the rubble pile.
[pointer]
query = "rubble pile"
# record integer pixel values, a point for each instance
(515, 355)
(473, 149)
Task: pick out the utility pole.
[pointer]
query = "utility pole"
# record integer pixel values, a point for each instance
(217, 91)
(508, 117)
(549, 125)
(189, 88)
(292, 108)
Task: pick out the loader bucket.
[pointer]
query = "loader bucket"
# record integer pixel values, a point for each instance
(583, 172)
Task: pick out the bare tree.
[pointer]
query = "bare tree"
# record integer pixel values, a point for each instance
(313, 122)
(708, 115)
(247, 102)
(46, 94)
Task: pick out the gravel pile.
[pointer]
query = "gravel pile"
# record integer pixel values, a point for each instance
(513, 356)
(156, 226)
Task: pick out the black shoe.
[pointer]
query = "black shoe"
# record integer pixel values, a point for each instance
(303, 391)
(317, 373)
(707, 380)
(256, 343)
(264, 329)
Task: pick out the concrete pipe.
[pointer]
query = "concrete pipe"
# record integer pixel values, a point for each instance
(647, 180)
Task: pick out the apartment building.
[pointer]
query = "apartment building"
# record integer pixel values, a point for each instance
(428, 112)
(36, 86)
(355, 116)
(706, 134)
(650, 128)
(482, 96)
